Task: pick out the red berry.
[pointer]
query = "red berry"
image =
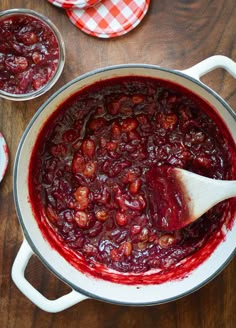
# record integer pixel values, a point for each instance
(90, 169)
(88, 148)
(102, 215)
(166, 240)
(121, 219)
(81, 219)
(129, 124)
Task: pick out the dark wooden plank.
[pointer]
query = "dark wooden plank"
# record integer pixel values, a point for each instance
(174, 34)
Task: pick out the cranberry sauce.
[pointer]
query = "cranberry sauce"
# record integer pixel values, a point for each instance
(88, 173)
(166, 198)
(29, 54)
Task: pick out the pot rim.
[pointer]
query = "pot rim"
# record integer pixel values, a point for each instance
(26, 234)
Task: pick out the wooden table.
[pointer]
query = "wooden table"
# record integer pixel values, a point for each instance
(174, 34)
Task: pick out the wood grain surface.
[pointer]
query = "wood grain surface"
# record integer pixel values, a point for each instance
(173, 34)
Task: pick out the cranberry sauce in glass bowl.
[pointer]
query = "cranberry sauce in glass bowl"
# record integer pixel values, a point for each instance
(32, 54)
(88, 174)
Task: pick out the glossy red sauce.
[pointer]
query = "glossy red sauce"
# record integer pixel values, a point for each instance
(167, 199)
(29, 54)
(90, 175)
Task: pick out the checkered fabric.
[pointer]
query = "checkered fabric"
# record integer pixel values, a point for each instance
(109, 18)
(81, 4)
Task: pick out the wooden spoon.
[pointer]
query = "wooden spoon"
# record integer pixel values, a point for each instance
(193, 195)
(203, 193)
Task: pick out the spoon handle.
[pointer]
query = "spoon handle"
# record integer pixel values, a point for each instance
(203, 193)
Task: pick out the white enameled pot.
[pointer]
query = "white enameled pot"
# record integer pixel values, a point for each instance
(84, 286)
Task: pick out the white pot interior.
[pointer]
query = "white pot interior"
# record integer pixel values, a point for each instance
(94, 287)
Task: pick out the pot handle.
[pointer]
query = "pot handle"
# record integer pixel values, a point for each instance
(18, 276)
(210, 64)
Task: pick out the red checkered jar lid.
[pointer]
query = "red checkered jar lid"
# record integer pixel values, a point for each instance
(81, 4)
(109, 18)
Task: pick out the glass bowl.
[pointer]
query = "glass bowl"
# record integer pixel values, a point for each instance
(32, 54)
